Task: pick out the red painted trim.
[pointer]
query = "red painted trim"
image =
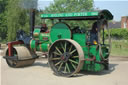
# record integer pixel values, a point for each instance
(10, 46)
(9, 49)
(16, 42)
(47, 32)
(44, 25)
(92, 59)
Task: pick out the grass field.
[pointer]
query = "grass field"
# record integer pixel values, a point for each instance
(119, 48)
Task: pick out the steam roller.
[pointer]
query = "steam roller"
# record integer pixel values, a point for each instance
(70, 49)
(21, 56)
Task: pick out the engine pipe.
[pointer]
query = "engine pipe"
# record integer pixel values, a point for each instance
(32, 21)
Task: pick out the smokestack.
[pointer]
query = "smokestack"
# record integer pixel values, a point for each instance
(32, 21)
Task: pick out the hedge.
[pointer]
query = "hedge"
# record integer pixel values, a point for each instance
(118, 33)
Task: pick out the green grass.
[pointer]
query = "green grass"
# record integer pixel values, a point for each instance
(119, 48)
(3, 41)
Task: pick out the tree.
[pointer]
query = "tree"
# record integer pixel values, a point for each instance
(60, 6)
(3, 27)
(18, 16)
(65, 6)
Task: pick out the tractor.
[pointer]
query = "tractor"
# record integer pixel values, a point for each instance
(69, 50)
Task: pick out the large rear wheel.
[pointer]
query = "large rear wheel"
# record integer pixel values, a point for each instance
(66, 57)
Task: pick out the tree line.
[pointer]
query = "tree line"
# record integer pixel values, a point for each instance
(14, 15)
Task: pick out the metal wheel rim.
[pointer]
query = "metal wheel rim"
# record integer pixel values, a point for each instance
(17, 63)
(11, 63)
(71, 66)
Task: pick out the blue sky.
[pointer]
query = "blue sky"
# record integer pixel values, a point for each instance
(117, 7)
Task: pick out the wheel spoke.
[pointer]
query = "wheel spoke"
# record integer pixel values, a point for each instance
(56, 53)
(65, 46)
(68, 67)
(73, 61)
(55, 58)
(75, 56)
(62, 46)
(65, 68)
(60, 66)
(70, 48)
(58, 63)
(58, 50)
(73, 51)
(73, 65)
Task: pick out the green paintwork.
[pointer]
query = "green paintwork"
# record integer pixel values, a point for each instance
(80, 38)
(39, 47)
(36, 33)
(92, 66)
(42, 39)
(60, 31)
(88, 65)
(44, 47)
(77, 14)
(33, 45)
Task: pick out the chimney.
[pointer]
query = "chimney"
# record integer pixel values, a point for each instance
(32, 21)
(124, 22)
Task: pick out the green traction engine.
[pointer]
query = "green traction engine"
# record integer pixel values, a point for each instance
(69, 49)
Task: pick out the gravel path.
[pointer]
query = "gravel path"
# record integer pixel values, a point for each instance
(40, 74)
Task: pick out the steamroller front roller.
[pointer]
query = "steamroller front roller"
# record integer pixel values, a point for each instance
(21, 56)
(66, 57)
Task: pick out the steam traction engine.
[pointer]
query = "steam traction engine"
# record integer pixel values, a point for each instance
(69, 50)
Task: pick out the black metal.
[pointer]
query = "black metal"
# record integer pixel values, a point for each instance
(74, 18)
(32, 21)
(105, 63)
(103, 36)
(15, 58)
(77, 29)
(65, 57)
(10, 57)
(22, 36)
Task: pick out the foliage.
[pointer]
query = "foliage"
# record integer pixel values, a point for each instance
(69, 6)
(119, 41)
(15, 18)
(118, 34)
(18, 16)
(64, 6)
(3, 27)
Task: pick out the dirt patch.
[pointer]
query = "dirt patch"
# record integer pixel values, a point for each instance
(119, 58)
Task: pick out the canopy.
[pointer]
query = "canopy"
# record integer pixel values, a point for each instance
(103, 14)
